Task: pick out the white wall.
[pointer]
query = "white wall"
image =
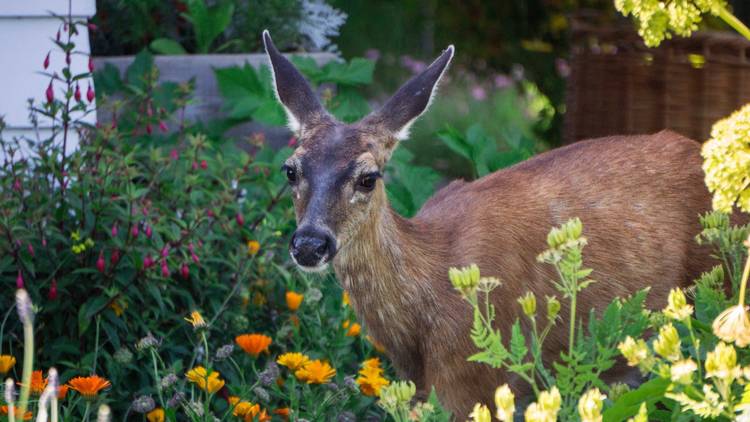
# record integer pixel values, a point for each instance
(27, 30)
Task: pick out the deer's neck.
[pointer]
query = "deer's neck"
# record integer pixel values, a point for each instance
(389, 268)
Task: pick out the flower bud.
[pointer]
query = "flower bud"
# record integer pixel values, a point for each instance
(149, 232)
(50, 93)
(505, 403)
(134, 231)
(57, 37)
(30, 248)
(91, 64)
(19, 280)
(677, 306)
(24, 307)
(667, 343)
(77, 94)
(164, 269)
(114, 230)
(590, 405)
(240, 219)
(148, 262)
(46, 61)
(634, 351)
(163, 126)
(465, 279)
(90, 94)
(165, 251)
(528, 304)
(17, 185)
(100, 262)
(204, 164)
(185, 271)
(553, 307)
(115, 258)
(52, 294)
(174, 154)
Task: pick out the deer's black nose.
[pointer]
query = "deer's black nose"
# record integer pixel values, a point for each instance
(311, 248)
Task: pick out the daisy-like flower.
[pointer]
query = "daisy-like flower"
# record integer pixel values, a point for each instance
(253, 246)
(315, 372)
(733, 325)
(590, 405)
(89, 387)
(505, 403)
(196, 320)
(677, 306)
(293, 360)
(681, 371)
(352, 329)
(6, 363)
(293, 300)
(38, 383)
(370, 379)
(156, 415)
(210, 383)
(245, 409)
(481, 413)
(253, 344)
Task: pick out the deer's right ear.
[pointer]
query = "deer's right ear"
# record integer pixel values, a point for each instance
(292, 90)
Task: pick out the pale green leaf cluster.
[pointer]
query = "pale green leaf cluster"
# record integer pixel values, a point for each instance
(658, 20)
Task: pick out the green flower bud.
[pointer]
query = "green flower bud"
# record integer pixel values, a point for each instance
(528, 304)
(553, 307)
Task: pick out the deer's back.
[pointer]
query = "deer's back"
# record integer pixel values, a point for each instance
(638, 197)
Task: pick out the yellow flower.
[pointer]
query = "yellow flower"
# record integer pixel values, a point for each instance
(546, 407)
(727, 161)
(677, 306)
(528, 304)
(722, 363)
(352, 330)
(89, 387)
(156, 415)
(590, 405)
(710, 406)
(505, 403)
(246, 410)
(118, 307)
(681, 371)
(315, 372)
(667, 343)
(634, 351)
(253, 344)
(641, 416)
(733, 326)
(345, 299)
(293, 300)
(293, 361)
(253, 246)
(371, 378)
(196, 320)
(480, 413)
(465, 279)
(210, 383)
(6, 363)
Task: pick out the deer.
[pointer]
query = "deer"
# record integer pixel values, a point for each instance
(639, 198)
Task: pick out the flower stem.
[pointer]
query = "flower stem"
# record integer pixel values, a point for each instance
(96, 346)
(156, 378)
(28, 364)
(732, 21)
(743, 284)
(86, 412)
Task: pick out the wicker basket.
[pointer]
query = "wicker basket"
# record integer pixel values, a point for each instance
(619, 86)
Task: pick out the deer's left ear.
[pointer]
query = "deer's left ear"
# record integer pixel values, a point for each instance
(292, 90)
(412, 99)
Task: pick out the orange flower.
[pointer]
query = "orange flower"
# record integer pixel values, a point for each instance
(353, 329)
(371, 378)
(315, 372)
(293, 300)
(6, 363)
(253, 246)
(283, 412)
(205, 381)
(264, 416)
(89, 387)
(253, 344)
(245, 409)
(156, 415)
(62, 392)
(27, 416)
(293, 361)
(38, 383)
(376, 344)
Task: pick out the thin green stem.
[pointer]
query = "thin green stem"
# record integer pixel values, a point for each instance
(87, 411)
(743, 284)
(571, 338)
(689, 323)
(96, 346)
(156, 378)
(28, 365)
(735, 23)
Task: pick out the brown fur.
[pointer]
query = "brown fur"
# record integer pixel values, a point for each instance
(639, 198)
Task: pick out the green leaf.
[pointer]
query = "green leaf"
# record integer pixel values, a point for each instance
(628, 405)
(167, 46)
(139, 70)
(208, 22)
(518, 349)
(454, 140)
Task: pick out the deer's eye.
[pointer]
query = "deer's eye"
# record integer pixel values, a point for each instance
(366, 182)
(291, 173)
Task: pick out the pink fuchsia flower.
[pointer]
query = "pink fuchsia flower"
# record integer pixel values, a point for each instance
(163, 126)
(50, 93)
(240, 219)
(52, 293)
(174, 154)
(115, 258)
(149, 129)
(148, 262)
(30, 248)
(134, 231)
(46, 61)
(185, 271)
(92, 27)
(100, 262)
(478, 93)
(149, 232)
(17, 185)
(90, 94)
(164, 269)
(77, 94)
(165, 251)
(19, 280)
(204, 164)
(91, 65)
(114, 230)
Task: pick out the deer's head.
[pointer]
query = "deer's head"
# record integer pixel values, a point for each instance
(336, 172)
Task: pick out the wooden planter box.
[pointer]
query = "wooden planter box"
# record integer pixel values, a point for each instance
(619, 86)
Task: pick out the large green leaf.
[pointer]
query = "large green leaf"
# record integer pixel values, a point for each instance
(208, 22)
(167, 46)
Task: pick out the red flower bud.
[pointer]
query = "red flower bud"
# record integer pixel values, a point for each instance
(148, 262)
(165, 251)
(115, 258)
(210, 213)
(163, 126)
(195, 259)
(204, 164)
(50, 93)
(240, 219)
(90, 94)
(164, 269)
(134, 231)
(149, 232)
(52, 294)
(46, 61)
(100, 262)
(77, 94)
(185, 271)
(91, 65)
(31, 249)
(149, 129)
(174, 154)
(114, 230)
(19, 280)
